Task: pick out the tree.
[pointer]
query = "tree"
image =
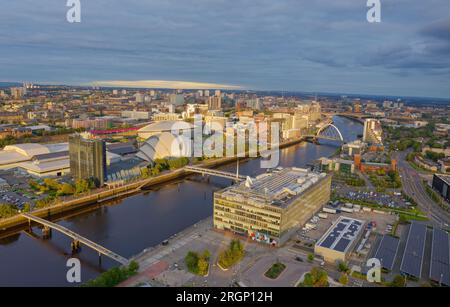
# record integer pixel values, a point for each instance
(232, 255)
(197, 264)
(52, 184)
(343, 279)
(145, 173)
(26, 207)
(202, 266)
(342, 266)
(191, 261)
(316, 278)
(310, 257)
(81, 186)
(66, 189)
(7, 210)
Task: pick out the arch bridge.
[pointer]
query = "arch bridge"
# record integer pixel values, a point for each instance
(329, 132)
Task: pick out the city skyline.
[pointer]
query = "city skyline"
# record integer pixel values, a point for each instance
(261, 47)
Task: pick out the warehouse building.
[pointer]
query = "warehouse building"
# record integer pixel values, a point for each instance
(440, 257)
(387, 251)
(340, 239)
(412, 260)
(272, 206)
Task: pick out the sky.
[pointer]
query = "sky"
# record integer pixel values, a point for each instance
(290, 45)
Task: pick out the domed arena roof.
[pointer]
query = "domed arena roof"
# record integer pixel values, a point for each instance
(164, 145)
(166, 126)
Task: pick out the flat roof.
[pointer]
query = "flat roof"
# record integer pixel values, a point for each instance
(387, 251)
(278, 187)
(414, 250)
(341, 235)
(445, 178)
(440, 257)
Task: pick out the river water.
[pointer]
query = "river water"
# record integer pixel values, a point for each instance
(135, 223)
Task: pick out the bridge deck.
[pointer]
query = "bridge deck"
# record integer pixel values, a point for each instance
(102, 250)
(214, 172)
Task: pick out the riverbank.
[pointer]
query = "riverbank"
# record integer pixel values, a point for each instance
(18, 222)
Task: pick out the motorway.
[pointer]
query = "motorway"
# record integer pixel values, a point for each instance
(413, 186)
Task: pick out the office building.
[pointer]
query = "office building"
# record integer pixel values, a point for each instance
(87, 158)
(272, 206)
(373, 133)
(441, 183)
(215, 103)
(136, 114)
(17, 92)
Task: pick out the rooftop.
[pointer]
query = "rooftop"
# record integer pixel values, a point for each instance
(166, 125)
(277, 188)
(342, 234)
(445, 178)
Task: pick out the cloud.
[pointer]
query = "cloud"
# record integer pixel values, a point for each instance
(166, 84)
(309, 45)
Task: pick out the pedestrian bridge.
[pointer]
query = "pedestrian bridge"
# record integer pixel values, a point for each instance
(77, 238)
(214, 172)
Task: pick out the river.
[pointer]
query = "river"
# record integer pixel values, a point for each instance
(134, 223)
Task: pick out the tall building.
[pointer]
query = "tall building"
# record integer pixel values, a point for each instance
(273, 206)
(373, 133)
(215, 103)
(140, 98)
(217, 93)
(17, 92)
(87, 158)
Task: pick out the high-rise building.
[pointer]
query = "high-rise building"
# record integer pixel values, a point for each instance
(139, 97)
(87, 158)
(17, 92)
(373, 133)
(215, 103)
(217, 93)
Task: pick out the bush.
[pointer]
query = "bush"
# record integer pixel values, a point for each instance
(7, 210)
(275, 270)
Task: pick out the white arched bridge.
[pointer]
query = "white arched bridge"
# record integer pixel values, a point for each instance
(329, 132)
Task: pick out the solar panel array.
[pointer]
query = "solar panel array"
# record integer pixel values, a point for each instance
(342, 234)
(387, 251)
(414, 250)
(440, 257)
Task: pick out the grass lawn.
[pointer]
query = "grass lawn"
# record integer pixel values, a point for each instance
(275, 270)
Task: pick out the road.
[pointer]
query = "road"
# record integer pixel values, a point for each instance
(413, 186)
